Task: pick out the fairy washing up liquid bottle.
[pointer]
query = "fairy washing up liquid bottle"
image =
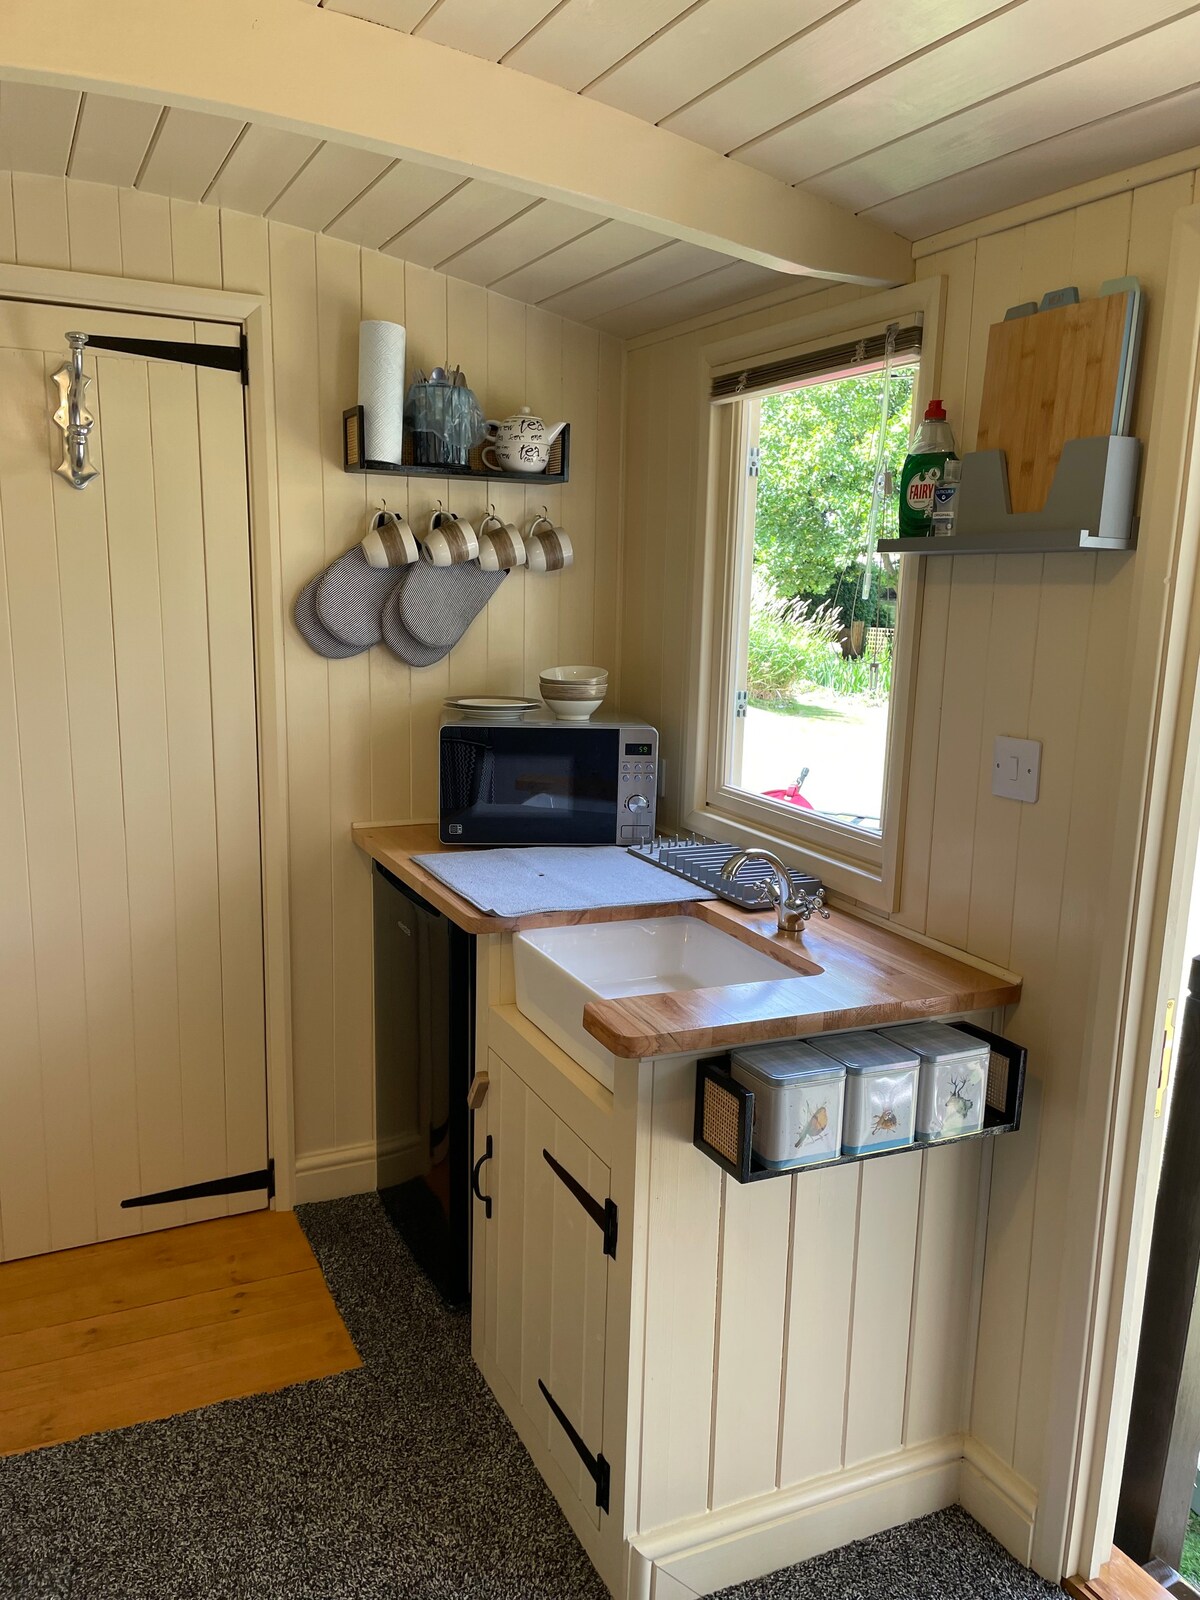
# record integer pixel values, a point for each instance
(924, 469)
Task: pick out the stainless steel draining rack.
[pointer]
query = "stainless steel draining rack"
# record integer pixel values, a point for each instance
(700, 859)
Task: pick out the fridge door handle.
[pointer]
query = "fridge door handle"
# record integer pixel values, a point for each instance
(475, 1171)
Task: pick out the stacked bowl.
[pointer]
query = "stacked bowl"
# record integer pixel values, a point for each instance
(574, 693)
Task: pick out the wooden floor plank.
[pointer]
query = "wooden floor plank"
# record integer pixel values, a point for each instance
(89, 1335)
(43, 1291)
(1118, 1579)
(163, 1323)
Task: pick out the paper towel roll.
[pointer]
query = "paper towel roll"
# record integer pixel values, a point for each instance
(381, 388)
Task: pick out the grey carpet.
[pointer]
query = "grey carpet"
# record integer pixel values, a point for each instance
(402, 1481)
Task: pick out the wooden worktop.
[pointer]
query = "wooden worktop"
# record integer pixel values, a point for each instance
(850, 973)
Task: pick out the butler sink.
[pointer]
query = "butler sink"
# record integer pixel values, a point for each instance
(559, 970)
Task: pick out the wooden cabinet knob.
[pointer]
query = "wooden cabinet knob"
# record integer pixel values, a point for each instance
(477, 1093)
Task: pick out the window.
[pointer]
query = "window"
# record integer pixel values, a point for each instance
(809, 676)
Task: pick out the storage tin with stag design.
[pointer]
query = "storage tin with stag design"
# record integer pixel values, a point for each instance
(797, 1102)
(881, 1090)
(953, 1089)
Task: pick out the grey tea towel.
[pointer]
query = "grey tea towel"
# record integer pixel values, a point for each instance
(351, 597)
(314, 632)
(439, 604)
(518, 882)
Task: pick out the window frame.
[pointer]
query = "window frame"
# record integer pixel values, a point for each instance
(852, 862)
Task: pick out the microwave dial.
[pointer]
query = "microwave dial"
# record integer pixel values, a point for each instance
(637, 802)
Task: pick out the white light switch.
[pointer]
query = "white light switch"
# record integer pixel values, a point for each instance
(1016, 767)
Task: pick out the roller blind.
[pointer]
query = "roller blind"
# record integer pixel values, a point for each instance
(868, 351)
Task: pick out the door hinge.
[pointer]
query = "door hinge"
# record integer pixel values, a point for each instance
(240, 1183)
(597, 1467)
(741, 700)
(753, 458)
(224, 357)
(604, 1216)
(1164, 1066)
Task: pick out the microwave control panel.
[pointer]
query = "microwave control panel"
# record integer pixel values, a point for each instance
(638, 788)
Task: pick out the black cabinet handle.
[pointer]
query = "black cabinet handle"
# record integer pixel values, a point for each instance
(475, 1171)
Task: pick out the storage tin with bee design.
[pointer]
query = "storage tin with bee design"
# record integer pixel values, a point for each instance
(953, 1088)
(797, 1102)
(881, 1090)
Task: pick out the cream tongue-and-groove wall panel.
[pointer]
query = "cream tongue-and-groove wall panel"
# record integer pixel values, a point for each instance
(1026, 645)
(362, 733)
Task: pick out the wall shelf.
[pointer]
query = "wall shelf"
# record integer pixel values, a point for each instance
(353, 460)
(725, 1113)
(1089, 507)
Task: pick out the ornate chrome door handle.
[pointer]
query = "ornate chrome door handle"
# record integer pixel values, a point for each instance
(73, 417)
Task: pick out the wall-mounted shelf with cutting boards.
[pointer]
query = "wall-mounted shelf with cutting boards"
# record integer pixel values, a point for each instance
(1056, 469)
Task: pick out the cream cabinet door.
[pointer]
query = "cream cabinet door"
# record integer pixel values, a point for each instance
(546, 1277)
(131, 953)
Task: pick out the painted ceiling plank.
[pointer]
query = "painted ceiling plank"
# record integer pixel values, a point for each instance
(334, 177)
(712, 291)
(1146, 68)
(402, 15)
(675, 263)
(226, 58)
(257, 172)
(112, 139)
(188, 153)
(582, 39)
(1112, 144)
(855, 42)
(36, 127)
(526, 238)
(457, 222)
(703, 48)
(974, 66)
(399, 197)
(608, 246)
(486, 28)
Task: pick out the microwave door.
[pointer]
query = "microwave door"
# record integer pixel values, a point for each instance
(512, 786)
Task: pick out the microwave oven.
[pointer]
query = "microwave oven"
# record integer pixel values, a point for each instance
(512, 783)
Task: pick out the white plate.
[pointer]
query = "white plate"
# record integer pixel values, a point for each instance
(496, 707)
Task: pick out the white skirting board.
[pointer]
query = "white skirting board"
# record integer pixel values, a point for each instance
(999, 1500)
(330, 1174)
(356, 1168)
(761, 1536)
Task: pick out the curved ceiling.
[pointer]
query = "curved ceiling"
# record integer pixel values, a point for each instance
(613, 275)
(920, 116)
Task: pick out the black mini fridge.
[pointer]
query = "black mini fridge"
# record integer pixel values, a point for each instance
(424, 1049)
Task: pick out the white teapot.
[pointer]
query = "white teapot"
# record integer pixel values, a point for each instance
(520, 443)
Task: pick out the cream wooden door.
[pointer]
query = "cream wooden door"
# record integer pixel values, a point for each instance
(546, 1278)
(131, 955)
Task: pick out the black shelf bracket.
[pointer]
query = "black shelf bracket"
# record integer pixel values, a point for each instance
(604, 1216)
(597, 1467)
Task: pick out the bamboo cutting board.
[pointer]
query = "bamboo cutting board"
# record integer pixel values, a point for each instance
(1049, 378)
